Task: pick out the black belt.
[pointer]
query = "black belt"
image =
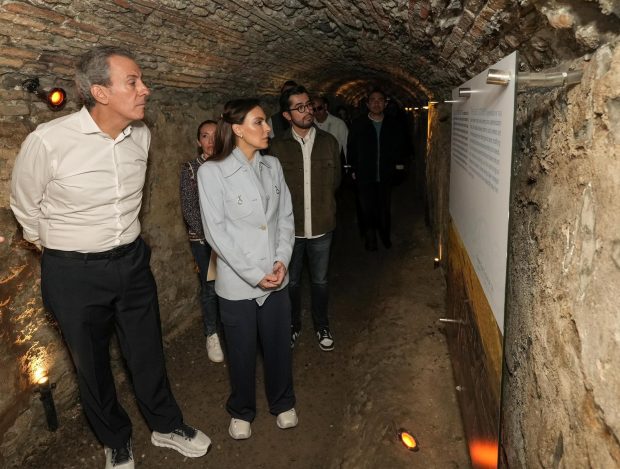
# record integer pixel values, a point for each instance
(115, 253)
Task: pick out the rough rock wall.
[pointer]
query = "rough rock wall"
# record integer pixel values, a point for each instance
(561, 403)
(415, 49)
(560, 391)
(29, 340)
(438, 173)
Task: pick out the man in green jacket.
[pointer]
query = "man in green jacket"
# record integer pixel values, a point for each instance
(310, 160)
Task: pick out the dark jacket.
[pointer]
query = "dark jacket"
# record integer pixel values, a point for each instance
(324, 178)
(362, 149)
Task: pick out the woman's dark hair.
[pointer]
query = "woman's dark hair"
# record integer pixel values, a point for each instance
(208, 121)
(234, 113)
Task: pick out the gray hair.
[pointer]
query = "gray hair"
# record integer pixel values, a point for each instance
(93, 69)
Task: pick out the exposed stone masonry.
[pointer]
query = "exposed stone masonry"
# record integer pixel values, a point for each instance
(419, 48)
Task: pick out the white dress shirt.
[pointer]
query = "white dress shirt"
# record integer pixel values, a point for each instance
(307, 143)
(74, 188)
(338, 128)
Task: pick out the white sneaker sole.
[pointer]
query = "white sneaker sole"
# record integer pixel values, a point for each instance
(325, 348)
(216, 359)
(167, 443)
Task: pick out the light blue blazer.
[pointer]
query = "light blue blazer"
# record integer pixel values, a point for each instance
(247, 216)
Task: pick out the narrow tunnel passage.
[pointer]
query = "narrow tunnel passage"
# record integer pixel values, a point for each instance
(390, 369)
(559, 401)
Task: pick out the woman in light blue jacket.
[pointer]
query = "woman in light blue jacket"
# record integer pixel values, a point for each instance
(248, 219)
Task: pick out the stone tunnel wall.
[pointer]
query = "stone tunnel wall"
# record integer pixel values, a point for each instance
(29, 339)
(561, 379)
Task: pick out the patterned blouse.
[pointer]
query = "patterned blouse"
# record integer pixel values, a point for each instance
(190, 206)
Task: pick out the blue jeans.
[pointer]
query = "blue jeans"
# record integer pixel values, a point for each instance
(208, 298)
(317, 250)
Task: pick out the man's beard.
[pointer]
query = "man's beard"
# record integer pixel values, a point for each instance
(302, 124)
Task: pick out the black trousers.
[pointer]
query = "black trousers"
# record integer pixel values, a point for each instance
(245, 322)
(91, 299)
(375, 202)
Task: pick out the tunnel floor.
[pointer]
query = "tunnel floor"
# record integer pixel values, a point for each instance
(390, 369)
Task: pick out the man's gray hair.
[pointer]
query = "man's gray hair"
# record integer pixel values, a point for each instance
(93, 69)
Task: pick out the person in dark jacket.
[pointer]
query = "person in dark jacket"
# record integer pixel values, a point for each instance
(310, 159)
(377, 149)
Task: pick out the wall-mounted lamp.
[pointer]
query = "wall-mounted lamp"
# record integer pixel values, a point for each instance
(44, 388)
(56, 98)
(408, 440)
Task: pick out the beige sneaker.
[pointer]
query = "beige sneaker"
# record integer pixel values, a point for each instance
(214, 349)
(287, 419)
(239, 429)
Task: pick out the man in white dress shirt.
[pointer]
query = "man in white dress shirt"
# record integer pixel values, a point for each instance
(76, 190)
(331, 124)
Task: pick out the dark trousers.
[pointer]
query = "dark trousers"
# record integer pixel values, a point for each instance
(91, 299)
(245, 322)
(208, 298)
(317, 251)
(375, 202)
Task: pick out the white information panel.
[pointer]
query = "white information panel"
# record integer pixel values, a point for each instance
(482, 132)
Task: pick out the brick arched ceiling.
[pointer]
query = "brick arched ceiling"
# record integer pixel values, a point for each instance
(416, 49)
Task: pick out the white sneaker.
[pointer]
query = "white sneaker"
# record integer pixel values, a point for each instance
(326, 341)
(214, 349)
(239, 429)
(287, 419)
(186, 440)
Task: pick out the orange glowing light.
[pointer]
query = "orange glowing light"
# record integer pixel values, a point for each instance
(408, 440)
(56, 98)
(484, 454)
(40, 375)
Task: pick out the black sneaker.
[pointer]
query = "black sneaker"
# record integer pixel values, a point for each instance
(119, 458)
(294, 336)
(326, 341)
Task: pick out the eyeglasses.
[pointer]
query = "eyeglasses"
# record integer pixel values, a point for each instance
(301, 108)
